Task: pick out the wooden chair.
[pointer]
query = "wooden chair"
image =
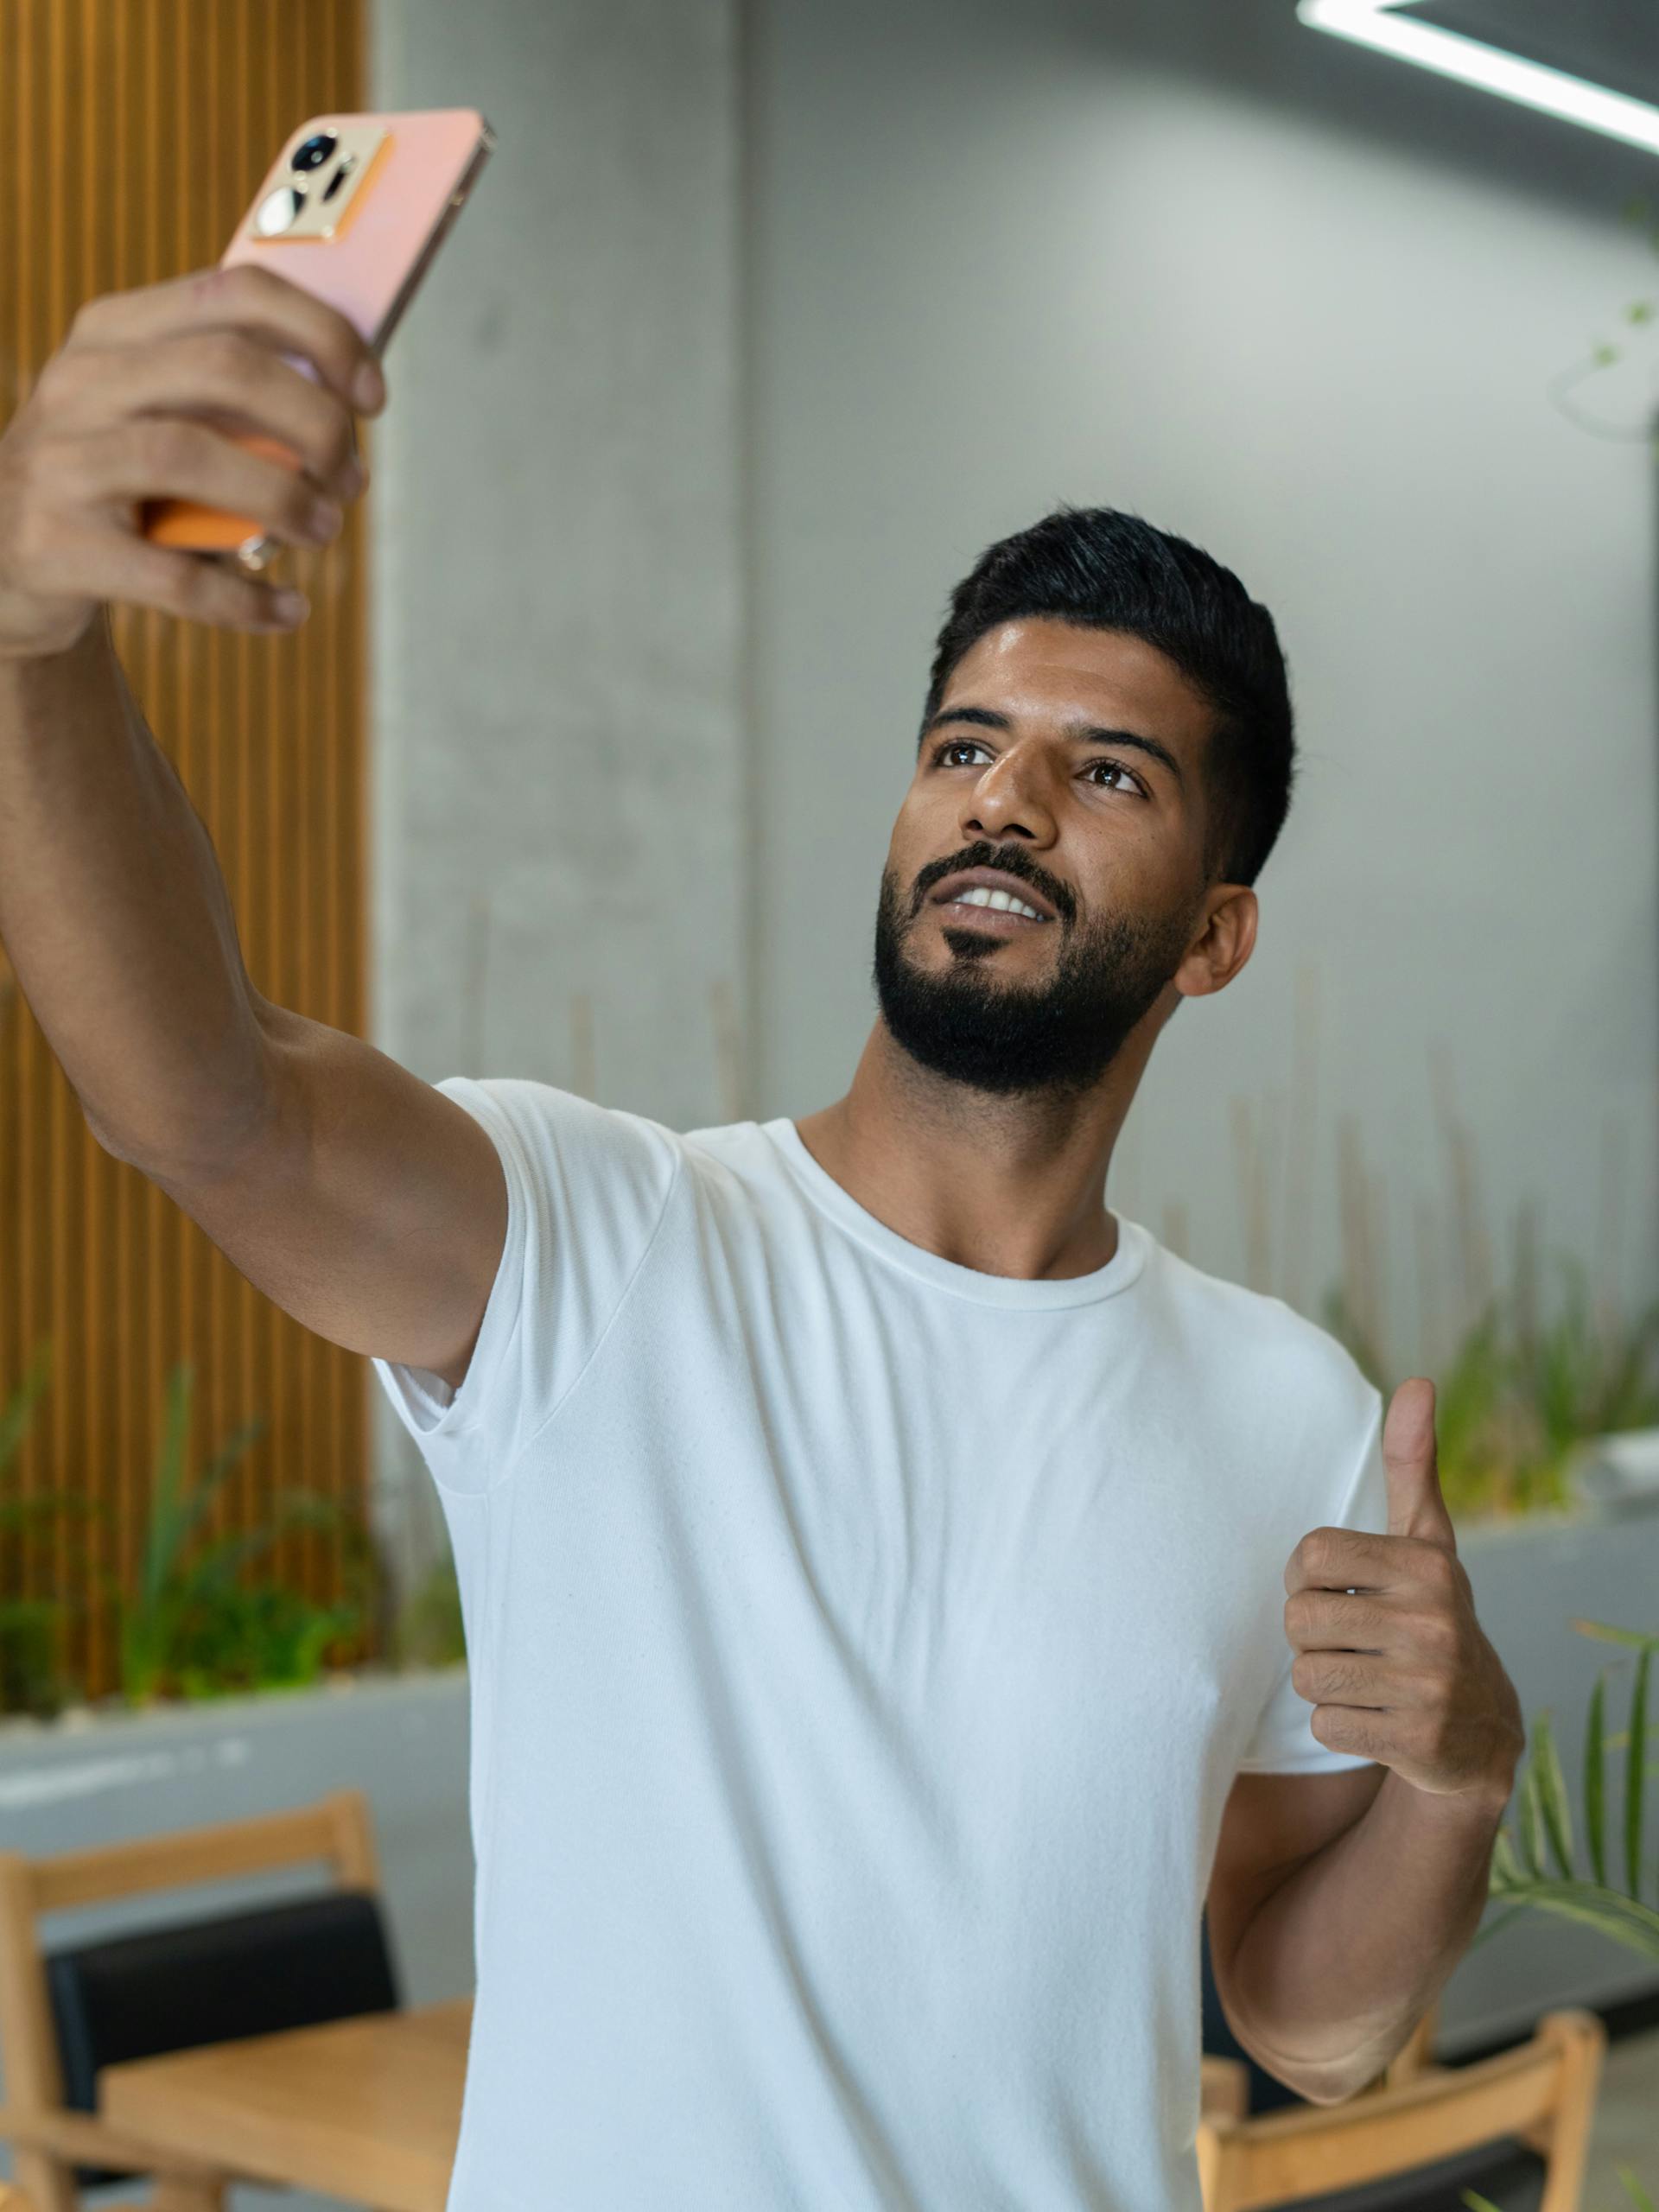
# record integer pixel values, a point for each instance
(13, 2200)
(1415, 2056)
(1543, 2093)
(54, 2141)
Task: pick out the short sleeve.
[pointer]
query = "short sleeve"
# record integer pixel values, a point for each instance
(1284, 1742)
(586, 1188)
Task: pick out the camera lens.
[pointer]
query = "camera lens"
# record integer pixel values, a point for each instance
(316, 151)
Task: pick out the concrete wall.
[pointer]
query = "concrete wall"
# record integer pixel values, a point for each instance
(1301, 304)
(560, 832)
(779, 325)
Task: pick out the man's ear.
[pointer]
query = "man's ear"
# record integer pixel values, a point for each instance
(1226, 944)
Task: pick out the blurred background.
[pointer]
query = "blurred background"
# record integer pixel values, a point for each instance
(766, 318)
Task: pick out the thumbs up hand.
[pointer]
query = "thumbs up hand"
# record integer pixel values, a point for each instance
(1389, 1652)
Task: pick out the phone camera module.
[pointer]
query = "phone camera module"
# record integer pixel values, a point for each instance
(316, 150)
(278, 210)
(347, 163)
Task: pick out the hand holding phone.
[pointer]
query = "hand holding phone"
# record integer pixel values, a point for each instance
(185, 430)
(353, 211)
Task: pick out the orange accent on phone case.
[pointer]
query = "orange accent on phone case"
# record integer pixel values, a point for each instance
(188, 524)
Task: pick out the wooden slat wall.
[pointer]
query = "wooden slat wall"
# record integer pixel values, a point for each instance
(133, 134)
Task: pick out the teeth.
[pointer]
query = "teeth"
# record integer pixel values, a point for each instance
(978, 895)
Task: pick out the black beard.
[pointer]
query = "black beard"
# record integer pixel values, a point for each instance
(1058, 1037)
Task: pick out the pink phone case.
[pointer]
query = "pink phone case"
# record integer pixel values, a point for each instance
(415, 174)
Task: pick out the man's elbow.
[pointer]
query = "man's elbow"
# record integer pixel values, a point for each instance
(1332, 2082)
(1327, 2090)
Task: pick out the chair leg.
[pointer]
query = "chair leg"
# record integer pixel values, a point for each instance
(1584, 2040)
(47, 2182)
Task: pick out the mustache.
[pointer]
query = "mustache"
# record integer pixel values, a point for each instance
(1011, 860)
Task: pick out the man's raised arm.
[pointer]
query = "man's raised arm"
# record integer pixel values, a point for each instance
(359, 1199)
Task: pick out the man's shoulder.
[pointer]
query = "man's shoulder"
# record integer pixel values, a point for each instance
(560, 1136)
(1256, 1342)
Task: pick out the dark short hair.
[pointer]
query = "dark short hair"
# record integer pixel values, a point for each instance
(1105, 570)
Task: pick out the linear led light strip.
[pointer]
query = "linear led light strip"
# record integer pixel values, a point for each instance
(1373, 22)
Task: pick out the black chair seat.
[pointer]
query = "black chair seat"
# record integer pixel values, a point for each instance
(1507, 2172)
(248, 1974)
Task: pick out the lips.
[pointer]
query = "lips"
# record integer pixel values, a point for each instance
(992, 878)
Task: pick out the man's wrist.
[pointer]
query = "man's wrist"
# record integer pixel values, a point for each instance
(1481, 1803)
(1491, 1800)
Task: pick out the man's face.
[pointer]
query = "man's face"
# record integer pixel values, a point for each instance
(1029, 770)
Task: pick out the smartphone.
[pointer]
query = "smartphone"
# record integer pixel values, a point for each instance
(353, 210)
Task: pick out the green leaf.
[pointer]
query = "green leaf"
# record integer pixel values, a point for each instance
(1634, 1779)
(1506, 1865)
(1558, 1816)
(1531, 1820)
(162, 1533)
(1633, 2188)
(1604, 1632)
(219, 1563)
(1627, 1921)
(151, 1619)
(1595, 1762)
(1476, 2203)
(18, 1410)
(223, 1463)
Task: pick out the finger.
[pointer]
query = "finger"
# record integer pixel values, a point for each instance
(1352, 1559)
(250, 298)
(224, 374)
(1342, 1678)
(110, 565)
(1416, 1507)
(1351, 1728)
(1330, 1620)
(158, 457)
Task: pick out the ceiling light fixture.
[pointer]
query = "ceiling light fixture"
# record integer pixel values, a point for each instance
(1378, 23)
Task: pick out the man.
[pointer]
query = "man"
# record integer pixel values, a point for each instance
(898, 1591)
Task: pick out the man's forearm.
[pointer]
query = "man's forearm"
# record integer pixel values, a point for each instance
(114, 915)
(1338, 1964)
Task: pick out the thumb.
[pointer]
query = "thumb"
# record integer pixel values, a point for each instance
(1416, 1507)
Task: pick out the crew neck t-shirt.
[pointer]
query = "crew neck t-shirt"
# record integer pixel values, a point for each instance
(861, 1649)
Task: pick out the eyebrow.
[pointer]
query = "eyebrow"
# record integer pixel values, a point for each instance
(1077, 733)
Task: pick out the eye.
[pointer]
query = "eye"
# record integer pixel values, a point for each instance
(955, 744)
(1116, 768)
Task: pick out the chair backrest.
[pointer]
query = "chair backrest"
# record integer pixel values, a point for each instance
(1543, 2093)
(64, 2014)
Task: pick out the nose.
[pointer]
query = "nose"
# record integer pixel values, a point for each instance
(1009, 801)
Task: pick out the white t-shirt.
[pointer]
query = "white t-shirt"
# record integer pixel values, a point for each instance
(861, 1649)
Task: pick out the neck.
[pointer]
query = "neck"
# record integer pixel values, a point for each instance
(1007, 1185)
